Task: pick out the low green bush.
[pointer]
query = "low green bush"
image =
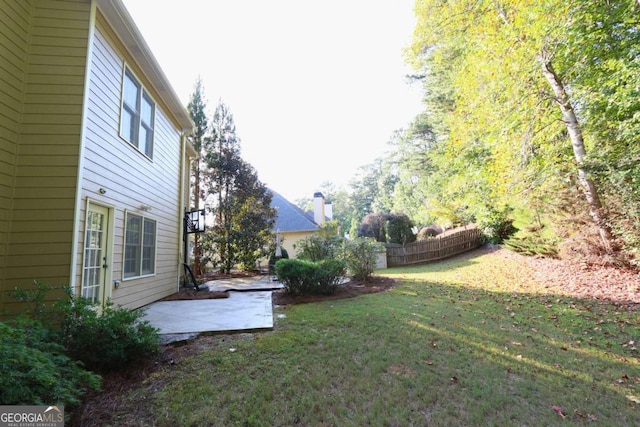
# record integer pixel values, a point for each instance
(102, 338)
(303, 277)
(36, 370)
(532, 245)
(329, 274)
(360, 255)
(497, 225)
(107, 340)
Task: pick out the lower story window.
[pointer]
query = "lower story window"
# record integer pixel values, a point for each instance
(139, 247)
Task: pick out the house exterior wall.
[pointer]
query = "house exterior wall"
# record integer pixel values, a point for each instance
(13, 56)
(61, 67)
(291, 238)
(43, 48)
(130, 181)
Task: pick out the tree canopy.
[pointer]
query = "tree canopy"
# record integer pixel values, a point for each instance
(530, 108)
(240, 203)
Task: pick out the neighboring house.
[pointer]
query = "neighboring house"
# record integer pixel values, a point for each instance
(94, 158)
(293, 224)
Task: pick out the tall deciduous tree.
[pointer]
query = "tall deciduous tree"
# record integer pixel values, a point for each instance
(574, 129)
(530, 97)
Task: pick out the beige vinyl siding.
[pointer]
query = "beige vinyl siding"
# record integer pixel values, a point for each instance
(45, 163)
(131, 180)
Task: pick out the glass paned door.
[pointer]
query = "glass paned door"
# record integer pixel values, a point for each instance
(95, 254)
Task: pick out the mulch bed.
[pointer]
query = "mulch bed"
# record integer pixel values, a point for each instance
(350, 289)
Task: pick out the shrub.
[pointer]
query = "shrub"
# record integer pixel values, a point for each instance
(532, 245)
(318, 247)
(497, 225)
(428, 232)
(303, 277)
(35, 370)
(328, 275)
(104, 341)
(374, 225)
(400, 229)
(273, 259)
(295, 274)
(360, 256)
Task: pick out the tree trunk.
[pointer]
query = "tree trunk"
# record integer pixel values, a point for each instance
(577, 142)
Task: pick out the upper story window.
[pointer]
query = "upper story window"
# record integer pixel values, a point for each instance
(138, 114)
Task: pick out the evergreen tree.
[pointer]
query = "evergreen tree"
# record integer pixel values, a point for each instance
(240, 203)
(200, 138)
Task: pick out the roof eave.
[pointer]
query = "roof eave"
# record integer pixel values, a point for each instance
(122, 23)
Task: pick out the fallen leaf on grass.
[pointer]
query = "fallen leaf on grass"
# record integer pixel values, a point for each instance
(429, 362)
(558, 410)
(634, 399)
(590, 417)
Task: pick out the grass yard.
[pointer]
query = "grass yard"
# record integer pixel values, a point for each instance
(470, 341)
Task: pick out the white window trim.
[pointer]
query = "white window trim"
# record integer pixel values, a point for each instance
(124, 247)
(143, 92)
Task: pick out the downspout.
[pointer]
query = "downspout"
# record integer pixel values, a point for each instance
(181, 204)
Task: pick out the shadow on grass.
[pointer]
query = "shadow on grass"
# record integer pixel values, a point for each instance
(469, 341)
(519, 357)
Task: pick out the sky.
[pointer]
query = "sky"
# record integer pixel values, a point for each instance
(316, 88)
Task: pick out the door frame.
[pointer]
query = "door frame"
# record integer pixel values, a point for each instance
(107, 290)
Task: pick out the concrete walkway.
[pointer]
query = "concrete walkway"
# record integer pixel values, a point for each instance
(248, 308)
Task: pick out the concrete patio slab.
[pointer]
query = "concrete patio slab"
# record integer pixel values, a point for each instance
(255, 283)
(242, 311)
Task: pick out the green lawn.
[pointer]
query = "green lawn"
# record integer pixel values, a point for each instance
(471, 341)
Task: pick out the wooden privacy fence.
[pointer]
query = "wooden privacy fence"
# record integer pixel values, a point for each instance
(439, 247)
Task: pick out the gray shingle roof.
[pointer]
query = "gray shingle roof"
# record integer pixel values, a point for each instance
(290, 217)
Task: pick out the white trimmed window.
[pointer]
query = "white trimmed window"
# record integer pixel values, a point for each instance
(138, 114)
(139, 246)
